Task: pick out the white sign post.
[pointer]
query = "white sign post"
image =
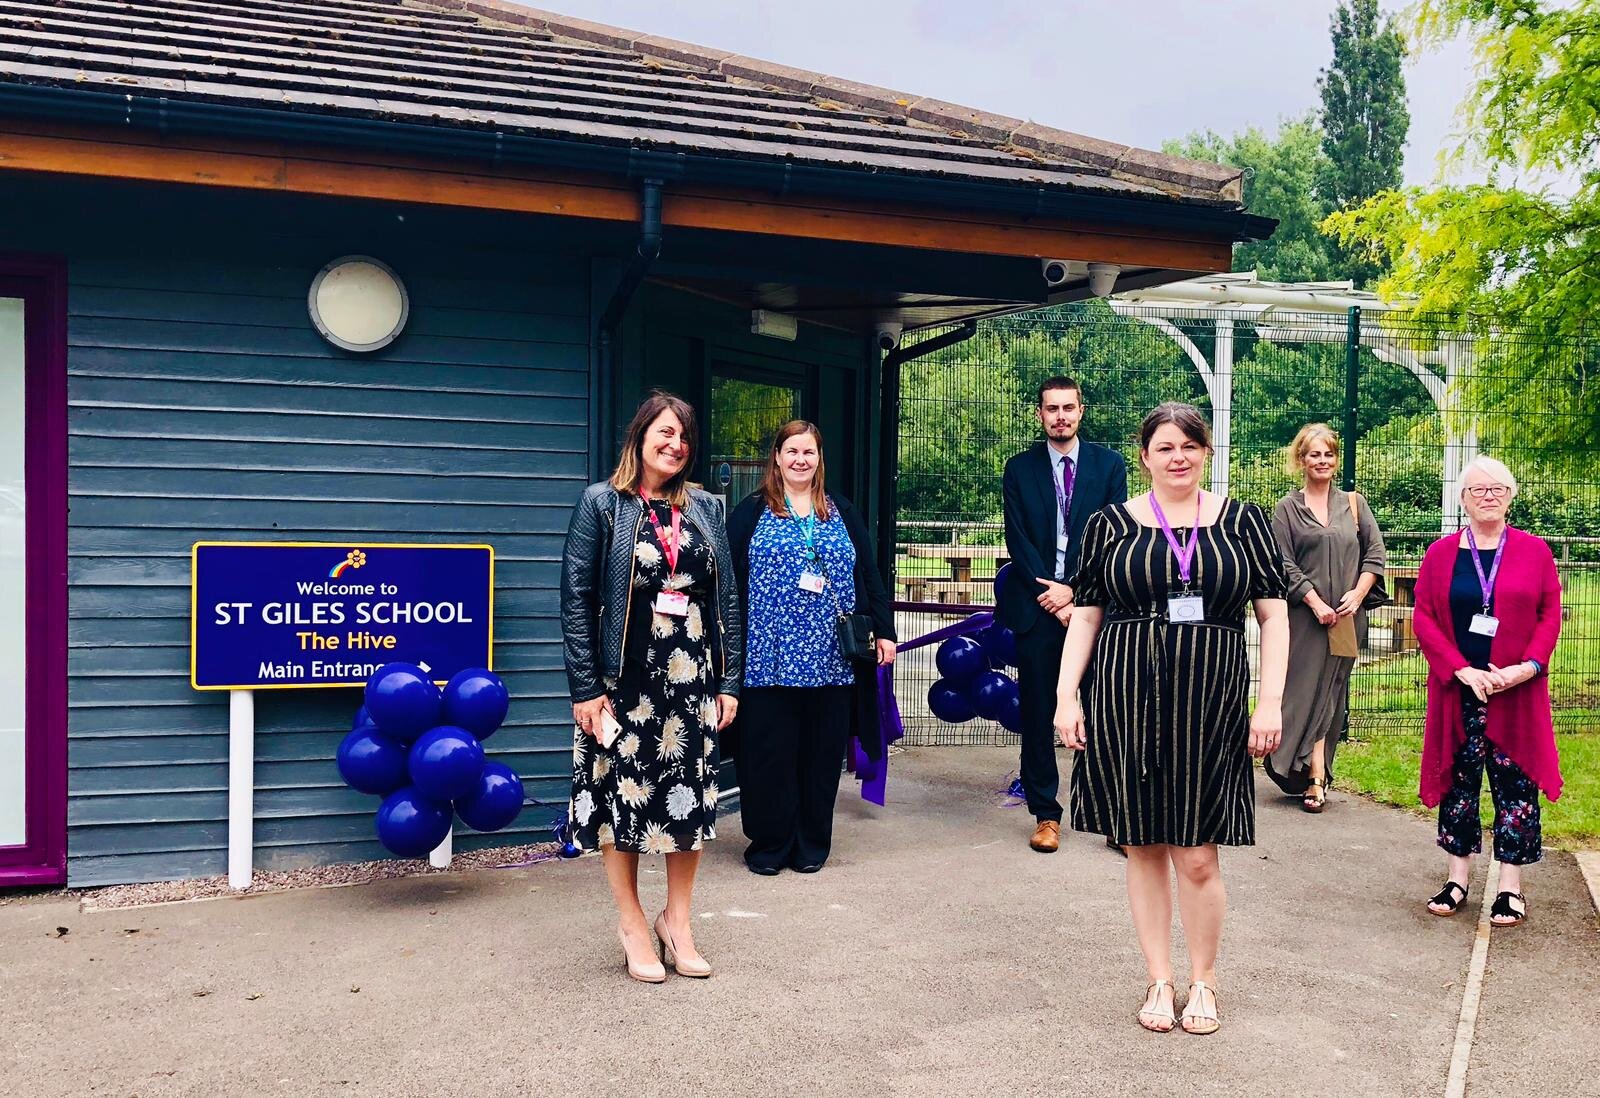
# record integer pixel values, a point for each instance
(241, 787)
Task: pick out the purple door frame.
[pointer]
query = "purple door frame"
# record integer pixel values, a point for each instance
(41, 283)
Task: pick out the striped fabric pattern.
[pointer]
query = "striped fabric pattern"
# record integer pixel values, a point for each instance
(1166, 708)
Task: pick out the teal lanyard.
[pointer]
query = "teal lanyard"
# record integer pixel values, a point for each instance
(807, 525)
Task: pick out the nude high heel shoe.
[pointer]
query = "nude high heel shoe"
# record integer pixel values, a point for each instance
(698, 969)
(652, 973)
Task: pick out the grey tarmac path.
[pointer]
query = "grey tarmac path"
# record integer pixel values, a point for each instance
(935, 955)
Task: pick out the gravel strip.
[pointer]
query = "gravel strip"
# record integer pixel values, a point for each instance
(322, 876)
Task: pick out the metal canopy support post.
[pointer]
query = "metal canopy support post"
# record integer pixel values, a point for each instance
(1460, 433)
(241, 787)
(1222, 406)
(1352, 370)
(889, 437)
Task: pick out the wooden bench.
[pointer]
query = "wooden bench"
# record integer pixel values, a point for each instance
(964, 591)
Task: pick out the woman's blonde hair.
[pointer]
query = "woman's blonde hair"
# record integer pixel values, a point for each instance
(1294, 455)
(630, 463)
(772, 479)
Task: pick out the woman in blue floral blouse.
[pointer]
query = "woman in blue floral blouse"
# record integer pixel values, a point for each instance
(802, 558)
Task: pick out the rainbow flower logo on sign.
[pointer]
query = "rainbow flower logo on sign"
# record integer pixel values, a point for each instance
(353, 559)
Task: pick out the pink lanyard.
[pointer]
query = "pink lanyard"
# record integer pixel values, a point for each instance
(668, 546)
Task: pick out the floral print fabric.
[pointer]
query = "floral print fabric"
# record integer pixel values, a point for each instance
(654, 791)
(1517, 837)
(791, 636)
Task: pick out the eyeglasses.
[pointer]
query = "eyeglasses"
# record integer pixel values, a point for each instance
(1489, 491)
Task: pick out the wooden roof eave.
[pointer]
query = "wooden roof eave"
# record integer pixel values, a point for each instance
(74, 148)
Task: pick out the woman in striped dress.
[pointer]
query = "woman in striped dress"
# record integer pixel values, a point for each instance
(1166, 740)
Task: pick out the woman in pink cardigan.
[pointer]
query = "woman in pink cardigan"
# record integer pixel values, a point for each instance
(1487, 616)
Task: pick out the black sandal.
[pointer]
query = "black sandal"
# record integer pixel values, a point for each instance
(1448, 899)
(1501, 909)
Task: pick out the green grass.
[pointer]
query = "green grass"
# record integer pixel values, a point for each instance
(1385, 768)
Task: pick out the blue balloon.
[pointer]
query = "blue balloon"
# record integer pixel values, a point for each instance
(991, 693)
(1001, 645)
(1011, 716)
(362, 717)
(570, 850)
(1000, 579)
(446, 762)
(948, 702)
(410, 823)
(476, 699)
(495, 801)
(371, 761)
(961, 658)
(402, 700)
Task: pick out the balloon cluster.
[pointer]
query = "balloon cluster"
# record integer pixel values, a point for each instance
(421, 750)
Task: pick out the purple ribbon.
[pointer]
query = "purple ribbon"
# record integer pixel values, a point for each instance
(873, 774)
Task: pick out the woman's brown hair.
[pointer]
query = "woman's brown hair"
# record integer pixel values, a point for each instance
(1185, 417)
(772, 489)
(630, 464)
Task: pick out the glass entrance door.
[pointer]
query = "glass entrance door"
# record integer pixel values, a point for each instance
(33, 571)
(13, 576)
(746, 411)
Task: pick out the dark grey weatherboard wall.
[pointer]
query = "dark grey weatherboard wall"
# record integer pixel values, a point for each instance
(204, 406)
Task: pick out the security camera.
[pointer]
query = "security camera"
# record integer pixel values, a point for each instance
(1056, 272)
(887, 337)
(1103, 278)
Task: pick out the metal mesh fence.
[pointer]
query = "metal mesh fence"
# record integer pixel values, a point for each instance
(1425, 402)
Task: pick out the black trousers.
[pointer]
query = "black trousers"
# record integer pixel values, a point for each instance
(791, 753)
(1038, 668)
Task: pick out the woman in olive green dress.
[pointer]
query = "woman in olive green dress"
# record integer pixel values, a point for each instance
(1333, 555)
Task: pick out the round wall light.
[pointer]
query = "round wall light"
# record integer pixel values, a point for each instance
(358, 303)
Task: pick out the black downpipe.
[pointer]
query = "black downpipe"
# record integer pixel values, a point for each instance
(605, 384)
(889, 435)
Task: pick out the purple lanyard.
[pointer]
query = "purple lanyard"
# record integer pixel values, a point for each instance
(1064, 495)
(1486, 583)
(1184, 551)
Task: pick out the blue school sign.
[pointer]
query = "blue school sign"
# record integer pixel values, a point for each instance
(281, 615)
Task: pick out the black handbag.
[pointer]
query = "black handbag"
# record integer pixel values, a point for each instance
(853, 630)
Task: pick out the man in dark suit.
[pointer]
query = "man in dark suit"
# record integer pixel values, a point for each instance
(1051, 489)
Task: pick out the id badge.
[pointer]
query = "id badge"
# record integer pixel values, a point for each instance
(674, 603)
(1485, 625)
(1186, 608)
(810, 581)
(1061, 543)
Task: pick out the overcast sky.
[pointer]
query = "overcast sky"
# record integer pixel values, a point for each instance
(1136, 71)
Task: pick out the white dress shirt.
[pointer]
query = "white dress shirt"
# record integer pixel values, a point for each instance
(1056, 460)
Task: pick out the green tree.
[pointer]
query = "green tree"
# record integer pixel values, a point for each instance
(1364, 118)
(1492, 255)
(1281, 176)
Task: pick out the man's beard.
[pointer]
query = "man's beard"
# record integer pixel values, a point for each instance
(1065, 434)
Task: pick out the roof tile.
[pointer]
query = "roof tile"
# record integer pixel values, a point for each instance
(486, 63)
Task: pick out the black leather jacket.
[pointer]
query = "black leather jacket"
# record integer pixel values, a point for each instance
(597, 577)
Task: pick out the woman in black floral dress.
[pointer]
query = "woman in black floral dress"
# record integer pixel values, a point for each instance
(654, 791)
(654, 652)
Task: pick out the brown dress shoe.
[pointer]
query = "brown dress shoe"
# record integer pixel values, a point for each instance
(1046, 837)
